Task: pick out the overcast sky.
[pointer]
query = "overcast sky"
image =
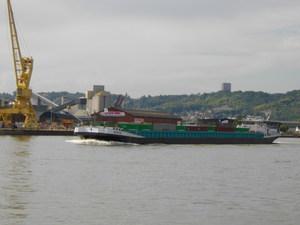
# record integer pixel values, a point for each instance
(152, 47)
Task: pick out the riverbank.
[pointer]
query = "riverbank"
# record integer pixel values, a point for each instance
(290, 136)
(35, 132)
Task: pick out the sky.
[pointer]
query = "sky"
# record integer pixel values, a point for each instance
(155, 47)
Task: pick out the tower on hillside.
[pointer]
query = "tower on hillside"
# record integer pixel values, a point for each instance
(226, 87)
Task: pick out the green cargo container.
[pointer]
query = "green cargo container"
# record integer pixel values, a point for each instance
(98, 123)
(135, 126)
(211, 128)
(181, 128)
(241, 129)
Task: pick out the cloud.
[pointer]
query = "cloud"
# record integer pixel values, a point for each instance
(156, 47)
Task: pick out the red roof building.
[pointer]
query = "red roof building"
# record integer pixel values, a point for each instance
(118, 115)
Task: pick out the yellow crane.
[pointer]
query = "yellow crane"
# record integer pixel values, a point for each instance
(23, 71)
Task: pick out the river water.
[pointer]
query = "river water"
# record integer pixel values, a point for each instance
(67, 181)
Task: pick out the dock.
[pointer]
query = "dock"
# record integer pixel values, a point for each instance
(35, 132)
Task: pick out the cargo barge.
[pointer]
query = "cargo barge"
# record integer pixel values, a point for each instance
(147, 134)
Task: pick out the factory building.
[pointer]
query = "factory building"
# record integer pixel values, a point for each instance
(98, 99)
(95, 101)
(61, 119)
(118, 115)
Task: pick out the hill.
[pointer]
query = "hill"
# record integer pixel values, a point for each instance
(223, 104)
(219, 104)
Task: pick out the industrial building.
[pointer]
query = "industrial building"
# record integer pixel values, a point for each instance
(61, 119)
(97, 99)
(97, 106)
(118, 115)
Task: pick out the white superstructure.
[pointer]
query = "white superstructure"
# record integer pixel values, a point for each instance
(261, 128)
(104, 130)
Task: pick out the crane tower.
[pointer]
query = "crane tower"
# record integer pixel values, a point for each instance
(23, 71)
